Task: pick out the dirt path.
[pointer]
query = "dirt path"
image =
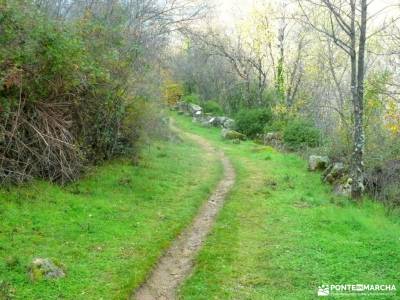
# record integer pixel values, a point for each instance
(177, 263)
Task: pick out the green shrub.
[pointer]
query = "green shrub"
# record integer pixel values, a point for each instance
(41, 86)
(277, 125)
(213, 107)
(301, 133)
(191, 98)
(65, 93)
(173, 93)
(252, 121)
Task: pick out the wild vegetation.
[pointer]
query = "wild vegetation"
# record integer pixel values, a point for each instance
(73, 82)
(299, 237)
(326, 70)
(108, 229)
(97, 180)
(80, 80)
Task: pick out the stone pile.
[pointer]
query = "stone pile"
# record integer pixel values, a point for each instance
(334, 173)
(226, 124)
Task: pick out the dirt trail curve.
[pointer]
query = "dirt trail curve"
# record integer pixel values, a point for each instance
(177, 262)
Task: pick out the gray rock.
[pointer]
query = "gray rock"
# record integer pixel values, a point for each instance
(44, 268)
(236, 141)
(343, 189)
(216, 121)
(273, 139)
(316, 162)
(270, 136)
(206, 118)
(195, 109)
(189, 109)
(202, 119)
(229, 123)
(334, 172)
(220, 122)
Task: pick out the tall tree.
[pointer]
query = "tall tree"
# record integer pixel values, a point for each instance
(346, 25)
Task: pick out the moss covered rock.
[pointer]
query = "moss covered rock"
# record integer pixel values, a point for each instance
(229, 134)
(316, 162)
(44, 268)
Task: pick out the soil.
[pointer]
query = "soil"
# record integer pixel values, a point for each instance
(177, 263)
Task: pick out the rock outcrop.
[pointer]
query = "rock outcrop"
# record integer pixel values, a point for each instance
(229, 123)
(206, 120)
(195, 109)
(41, 268)
(334, 172)
(343, 189)
(189, 109)
(221, 121)
(316, 162)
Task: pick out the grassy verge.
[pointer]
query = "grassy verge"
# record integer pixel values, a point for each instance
(282, 233)
(108, 230)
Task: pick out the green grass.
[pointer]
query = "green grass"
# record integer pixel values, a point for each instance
(282, 233)
(108, 229)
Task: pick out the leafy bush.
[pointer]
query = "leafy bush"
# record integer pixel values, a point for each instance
(39, 75)
(64, 93)
(252, 121)
(213, 107)
(301, 133)
(173, 93)
(191, 98)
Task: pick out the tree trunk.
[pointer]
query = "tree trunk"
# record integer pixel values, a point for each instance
(357, 169)
(280, 80)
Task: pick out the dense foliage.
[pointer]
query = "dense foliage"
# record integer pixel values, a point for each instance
(306, 72)
(66, 91)
(300, 133)
(191, 98)
(252, 121)
(213, 107)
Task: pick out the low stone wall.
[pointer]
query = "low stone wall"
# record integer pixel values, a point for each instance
(334, 173)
